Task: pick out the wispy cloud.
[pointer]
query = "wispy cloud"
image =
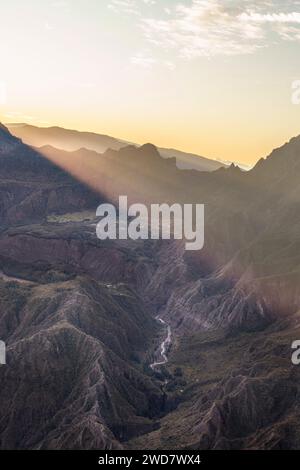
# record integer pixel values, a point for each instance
(271, 17)
(129, 6)
(143, 60)
(288, 32)
(197, 28)
(285, 24)
(123, 6)
(146, 61)
(205, 28)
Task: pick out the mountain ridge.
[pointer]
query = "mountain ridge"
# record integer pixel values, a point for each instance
(71, 140)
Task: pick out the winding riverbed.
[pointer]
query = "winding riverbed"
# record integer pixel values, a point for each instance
(163, 347)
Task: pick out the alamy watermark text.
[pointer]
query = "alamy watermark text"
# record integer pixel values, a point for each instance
(140, 222)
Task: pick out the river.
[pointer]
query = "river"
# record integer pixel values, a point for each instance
(163, 347)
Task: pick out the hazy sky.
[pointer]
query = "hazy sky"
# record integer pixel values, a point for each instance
(207, 76)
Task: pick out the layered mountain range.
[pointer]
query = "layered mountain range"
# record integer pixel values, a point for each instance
(70, 140)
(78, 314)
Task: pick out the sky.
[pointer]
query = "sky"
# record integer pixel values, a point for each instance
(212, 77)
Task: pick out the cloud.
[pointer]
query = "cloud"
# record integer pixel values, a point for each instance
(271, 17)
(146, 61)
(207, 28)
(288, 33)
(129, 6)
(123, 6)
(222, 27)
(285, 24)
(143, 61)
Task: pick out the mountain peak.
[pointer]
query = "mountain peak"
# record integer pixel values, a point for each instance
(4, 129)
(150, 149)
(234, 167)
(281, 160)
(7, 140)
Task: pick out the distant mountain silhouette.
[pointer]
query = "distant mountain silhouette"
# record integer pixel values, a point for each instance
(71, 140)
(64, 139)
